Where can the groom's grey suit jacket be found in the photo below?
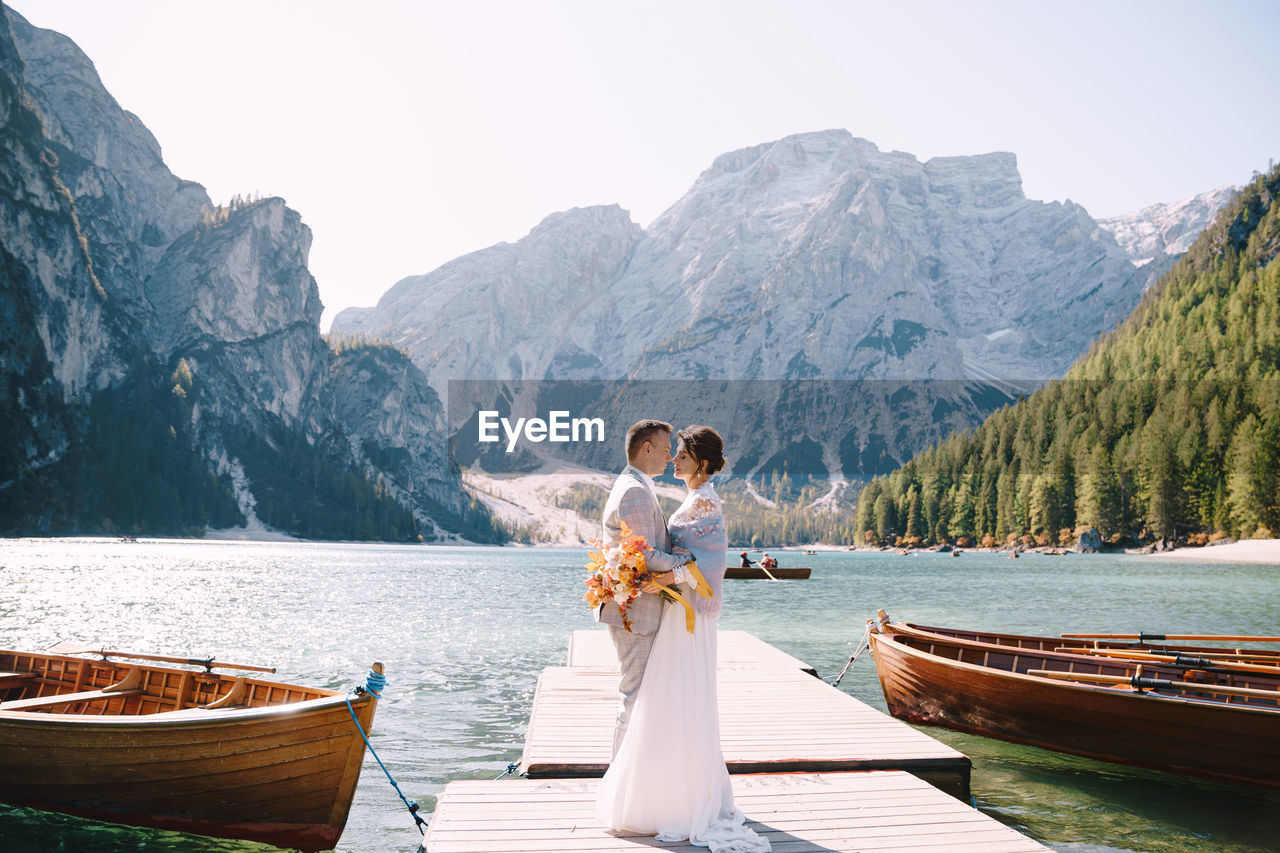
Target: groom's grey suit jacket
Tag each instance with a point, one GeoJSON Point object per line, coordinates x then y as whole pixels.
{"type": "Point", "coordinates": [631, 501]}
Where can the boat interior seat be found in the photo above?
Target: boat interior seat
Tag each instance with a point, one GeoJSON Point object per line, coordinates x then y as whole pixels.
{"type": "Point", "coordinates": [66, 699]}
{"type": "Point", "coordinates": [15, 679]}
{"type": "Point", "coordinates": [233, 698]}
{"type": "Point", "coordinates": [198, 711]}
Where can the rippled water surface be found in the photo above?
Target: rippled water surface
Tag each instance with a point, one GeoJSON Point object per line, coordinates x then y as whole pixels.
{"type": "Point", "coordinates": [465, 631]}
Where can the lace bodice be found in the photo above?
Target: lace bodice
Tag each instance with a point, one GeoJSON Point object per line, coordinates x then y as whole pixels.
{"type": "Point", "coordinates": [699, 503]}
{"type": "Point", "coordinates": [698, 527]}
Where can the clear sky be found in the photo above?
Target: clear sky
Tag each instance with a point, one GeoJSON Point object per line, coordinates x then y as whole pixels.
{"type": "Point", "coordinates": [409, 133]}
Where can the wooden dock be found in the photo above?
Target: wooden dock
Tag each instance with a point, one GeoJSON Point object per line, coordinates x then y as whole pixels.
{"type": "Point", "coordinates": [798, 813]}
{"type": "Point", "coordinates": [816, 771]}
{"type": "Point", "coordinates": [774, 718]}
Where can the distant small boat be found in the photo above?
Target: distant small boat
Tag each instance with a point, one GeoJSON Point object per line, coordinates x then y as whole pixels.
{"type": "Point", "coordinates": [760, 574]}
{"type": "Point", "coordinates": [196, 751]}
{"type": "Point", "coordinates": [1205, 722]}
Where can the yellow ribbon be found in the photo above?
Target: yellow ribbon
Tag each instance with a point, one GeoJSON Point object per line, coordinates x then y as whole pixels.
{"type": "Point", "coordinates": [700, 586]}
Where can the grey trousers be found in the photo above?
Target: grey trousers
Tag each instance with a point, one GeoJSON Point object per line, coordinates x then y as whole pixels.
{"type": "Point", "coordinates": [633, 655]}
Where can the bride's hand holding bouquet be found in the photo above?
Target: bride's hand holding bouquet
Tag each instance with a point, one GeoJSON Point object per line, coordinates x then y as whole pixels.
{"type": "Point", "coordinates": [619, 573]}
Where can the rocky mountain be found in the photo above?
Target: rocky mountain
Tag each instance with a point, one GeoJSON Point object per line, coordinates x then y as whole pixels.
{"type": "Point", "coordinates": [510, 311]}
{"type": "Point", "coordinates": [1155, 237]}
{"type": "Point", "coordinates": [816, 257]}
{"type": "Point", "coordinates": [820, 256]}
{"type": "Point", "coordinates": [163, 369]}
{"type": "Point", "coordinates": [1168, 228]}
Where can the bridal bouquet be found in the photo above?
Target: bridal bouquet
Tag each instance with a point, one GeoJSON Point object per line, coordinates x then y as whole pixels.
{"type": "Point", "coordinates": [619, 573]}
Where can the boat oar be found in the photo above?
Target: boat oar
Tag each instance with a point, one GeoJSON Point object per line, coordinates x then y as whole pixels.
{"type": "Point", "coordinates": [1178, 659]}
{"type": "Point", "coordinates": [207, 663]}
{"type": "Point", "coordinates": [1143, 637]}
{"type": "Point", "coordinates": [1140, 682]}
{"type": "Point", "coordinates": [1258, 656]}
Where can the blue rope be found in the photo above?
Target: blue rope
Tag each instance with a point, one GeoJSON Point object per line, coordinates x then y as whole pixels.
{"type": "Point", "coordinates": [373, 686]}
{"type": "Point", "coordinates": [374, 683]}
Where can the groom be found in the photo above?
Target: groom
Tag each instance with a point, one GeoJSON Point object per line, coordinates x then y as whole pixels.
{"type": "Point", "coordinates": [633, 500]}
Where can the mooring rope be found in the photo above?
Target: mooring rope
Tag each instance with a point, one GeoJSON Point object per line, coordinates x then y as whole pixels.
{"type": "Point", "coordinates": [862, 646]}
{"type": "Point", "coordinates": [373, 686]}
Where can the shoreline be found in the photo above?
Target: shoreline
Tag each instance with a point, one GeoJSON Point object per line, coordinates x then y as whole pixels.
{"type": "Point", "coordinates": [1258, 551]}
{"type": "Point", "coordinates": [1262, 551]}
{"type": "Point", "coordinates": [1265, 551]}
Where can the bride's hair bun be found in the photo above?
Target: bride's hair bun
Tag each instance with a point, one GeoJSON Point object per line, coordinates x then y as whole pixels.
{"type": "Point", "coordinates": [704, 444]}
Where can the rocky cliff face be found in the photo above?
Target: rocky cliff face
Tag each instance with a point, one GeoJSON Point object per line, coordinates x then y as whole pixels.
{"type": "Point", "coordinates": [234, 297]}
{"type": "Point", "coordinates": [396, 423]}
{"type": "Point", "coordinates": [130, 205]}
{"type": "Point", "coordinates": [60, 339]}
{"type": "Point", "coordinates": [162, 357]}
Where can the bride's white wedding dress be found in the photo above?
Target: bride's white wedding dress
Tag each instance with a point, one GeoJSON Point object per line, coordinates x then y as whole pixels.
{"type": "Point", "coordinates": [669, 776]}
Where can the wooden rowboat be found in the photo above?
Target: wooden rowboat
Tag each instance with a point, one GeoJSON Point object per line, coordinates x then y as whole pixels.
{"type": "Point", "coordinates": [1115, 648]}
{"type": "Point", "coordinates": [758, 574]}
{"type": "Point", "coordinates": [1218, 724]}
{"type": "Point", "coordinates": [196, 751]}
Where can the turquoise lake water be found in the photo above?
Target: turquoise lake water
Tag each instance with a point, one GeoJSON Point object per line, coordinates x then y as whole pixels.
{"type": "Point", "coordinates": [464, 633]}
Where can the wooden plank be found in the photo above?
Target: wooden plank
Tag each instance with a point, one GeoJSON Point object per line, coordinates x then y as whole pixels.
{"type": "Point", "coordinates": [15, 679]}
{"type": "Point", "coordinates": [592, 647]}
{"type": "Point", "coordinates": [66, 699]}
{"type": "Point", "coordinates": [798, 813]}
{"type": "Point", "coordinates": [771, 720]}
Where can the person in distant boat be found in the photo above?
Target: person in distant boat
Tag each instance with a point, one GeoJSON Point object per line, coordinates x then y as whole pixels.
{"type": "Point", "coordinates": [746, 563]}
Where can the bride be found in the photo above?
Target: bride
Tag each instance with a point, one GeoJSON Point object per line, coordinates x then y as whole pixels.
{"type": "Point", "coordinates": [669, 777]}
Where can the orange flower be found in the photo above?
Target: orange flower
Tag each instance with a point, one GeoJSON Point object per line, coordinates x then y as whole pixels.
{"type": "Point", "coordinates": [617, 573]}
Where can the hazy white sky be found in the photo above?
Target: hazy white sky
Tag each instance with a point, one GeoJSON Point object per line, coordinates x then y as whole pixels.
{"type": "Point", "coordinates": [409, 133]}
